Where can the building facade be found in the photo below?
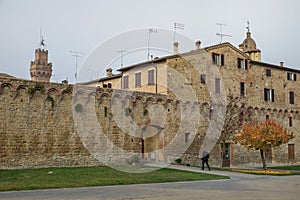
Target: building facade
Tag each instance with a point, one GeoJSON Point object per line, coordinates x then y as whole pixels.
{"type": "Point", "coordinates": [265, 91]}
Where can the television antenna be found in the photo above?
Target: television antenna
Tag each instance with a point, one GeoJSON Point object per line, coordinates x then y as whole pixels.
{"type": "Point", "coordinates": [177, 26]}
{"type": "Point", "coordinates": [77, 55]}
{"type": "Point", "coordinates": [150, 30]}
{"type": "Point", "coordinates": [221, 34]}
{"type": "Point", "coordinates": [121, 52]}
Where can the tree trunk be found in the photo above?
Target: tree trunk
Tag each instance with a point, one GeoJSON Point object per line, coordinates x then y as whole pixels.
{"type": "Point", "coordinates": [262, 155]}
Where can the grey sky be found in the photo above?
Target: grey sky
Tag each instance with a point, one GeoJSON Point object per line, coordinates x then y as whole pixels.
{"type": "Point", "coordinates": [81, 25]}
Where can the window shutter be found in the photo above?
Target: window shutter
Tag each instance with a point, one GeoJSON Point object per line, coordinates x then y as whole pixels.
{"type": "Point", "coordinates": [239, 63]}
{"type": "Point", "coordinates": [272, 93]}
{"type": "Point", "coordinates": [288, 76]}
{"type": "Point", "coordinates": [295, 77]}
{"type": "Point", "coordinates": [246, 64]}
{"type": "Point", "coordinates": [266, 94]}
{"type": "Point", "coordinates": [214, 58]}
{"type": "Point", "coordinates": [291, 97]}
{"type": "Point", "coordinates": [222, 59]}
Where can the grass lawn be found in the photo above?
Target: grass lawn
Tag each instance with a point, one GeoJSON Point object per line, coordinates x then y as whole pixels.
{"type": "Point", "coordinates": [291, 167]}
{"type": "Point", "coordinates": [29, 179]}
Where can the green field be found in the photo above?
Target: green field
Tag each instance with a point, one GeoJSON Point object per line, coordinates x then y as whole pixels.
{"type": "Point", "coordinates": [30, 179]}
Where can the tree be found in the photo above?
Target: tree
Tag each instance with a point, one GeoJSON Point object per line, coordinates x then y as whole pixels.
{"type": "Point", "coordinates": [263, 135]}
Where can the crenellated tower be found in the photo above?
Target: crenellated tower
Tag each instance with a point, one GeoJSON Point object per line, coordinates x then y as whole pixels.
{"type": "Point", "coordinates": [40, 69]}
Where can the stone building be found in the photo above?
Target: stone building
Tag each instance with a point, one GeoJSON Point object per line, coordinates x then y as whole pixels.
{"type": "Point", "coordinates": [264, 90]}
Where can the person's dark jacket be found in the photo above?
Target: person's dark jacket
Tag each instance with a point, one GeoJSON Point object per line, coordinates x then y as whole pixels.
{"type": "Point", "coordinates": [205, 158]}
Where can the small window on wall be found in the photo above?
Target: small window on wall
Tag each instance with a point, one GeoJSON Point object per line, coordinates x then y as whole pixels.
{"type": "Point", "coordinates": [267, 117]}
{"type": "Point", "coordinates": [203, 78]}
{"type": "Point", "coordinates": [242, 89]}
{"type": "Point", "coordinates": [138, 79]}
{"type": "Point", "coordinates": [291, 95]}
{"type": "Point", "coordinates": [105, 111]}
{"type": "Point", "coordinates": [218, 85]}
{"type": "Point", "coordinates": [290, 121]}
{"type": "Point", "coordinates": [109, 85]}
{"type": "Point", "coordinates": [269, 94]}
{"type": "Point", "coordinates": [218, 59]}
{"type": "Point", "coordinates": [291, 76]}
{"type": "Point", "coordinates": [125, 82]}
{"type": "Point", "coordinates": [186, 137]}
{"type": "Point", "coordinates": [268, 72]}
{"type": "Point", "coordinates": [242, 64]}
{"type": "Point", "coordinates": [151, 77]}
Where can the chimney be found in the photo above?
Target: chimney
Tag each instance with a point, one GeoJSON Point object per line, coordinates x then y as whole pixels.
{"type": "Point", "coordinates": [281, 64]}
{"type": "Point", "coordinates": [175, 45]}
{"type": "Point", "coordinates": [198, 43]}
{"type": "Point", "coordinates": [109, 72]}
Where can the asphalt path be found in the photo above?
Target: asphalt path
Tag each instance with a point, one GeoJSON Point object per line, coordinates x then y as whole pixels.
{"type": "Point", "coordinates": [239, 186]}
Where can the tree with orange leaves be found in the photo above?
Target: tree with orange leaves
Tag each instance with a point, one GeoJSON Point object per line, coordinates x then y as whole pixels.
{"type": "Point", "coordinates": [263, 135]}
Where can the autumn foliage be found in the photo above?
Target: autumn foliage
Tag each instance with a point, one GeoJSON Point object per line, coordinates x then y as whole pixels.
{"type": "Point", "coordinates": [263, 135]}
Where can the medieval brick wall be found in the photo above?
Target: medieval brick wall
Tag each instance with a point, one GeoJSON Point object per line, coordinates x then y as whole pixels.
{"type": "Point", "coordinates": [38, 124]}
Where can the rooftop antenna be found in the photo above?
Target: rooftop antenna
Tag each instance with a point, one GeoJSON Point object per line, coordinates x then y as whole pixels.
{"type": "Point", "coordinates": [150, 30]}
{"type": "Point", "coordinates": [121, 52]}
{"type": "Point", "coordinates": [177, 26]}
{"type": "Point", "coordinates": [77, 55]}
{"type": "Point", "coordinates": [221, 34]}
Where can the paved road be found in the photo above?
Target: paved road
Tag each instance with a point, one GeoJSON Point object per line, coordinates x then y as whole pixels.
{"type": "Point", "coordinates": [240, 186]}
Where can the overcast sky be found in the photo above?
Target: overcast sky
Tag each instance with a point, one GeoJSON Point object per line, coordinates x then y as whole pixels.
{"type": "Point", "coordinates": [81, 25]}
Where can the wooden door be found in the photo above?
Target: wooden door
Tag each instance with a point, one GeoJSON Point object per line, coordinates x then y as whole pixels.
{"type": "Point", "coordinates": [268, 155]}
{"type": "Point", "coordinates": [291, 153]}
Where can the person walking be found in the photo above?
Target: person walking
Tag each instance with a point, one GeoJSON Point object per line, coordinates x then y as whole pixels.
{"type": "Point", "coordinates": [205, 157]}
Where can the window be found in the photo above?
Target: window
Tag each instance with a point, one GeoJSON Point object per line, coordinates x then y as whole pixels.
{"type": "Point", "coordinates": [291, 94]}
{"type": "Point", "coordinates": [211, 112]}
{"type": "Point", "coordinates": [151, 77]}
{"type": "Point", "coordinates": [218, 59]}
{"type": "Point", "coordinates": [291, 76]}
{"type": "Point", "coordinates": [125, 82]}
{"type": "Point", "coordinates": [290, 121]}
{"type": "Point", "coordinates": [203, 78]}
{"type": "Point", "coordinates": [242, 64]}
{"type": "Point", "coordinates": [242, 89]}
{"type": "Point", "coordinates": [138, 79]}
{"type": "Point", "coordinates": [186, 137]}
{"type": "Point", "coordinates": [267, 117]}
{"type": "Point", "coordinates": [268, 72]}
{"type": "Point", "coordinates": [217, 85]}
{"type": "Point", "coordinates": [109, 85]}
{"type": "Point", "coordinates": [105, 111]}
{"type": "Point", "coordinates": [269, 94]}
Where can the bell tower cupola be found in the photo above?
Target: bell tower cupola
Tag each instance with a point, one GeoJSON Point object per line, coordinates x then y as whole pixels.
{"type": "Point", "coordinates": [249, 46]}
